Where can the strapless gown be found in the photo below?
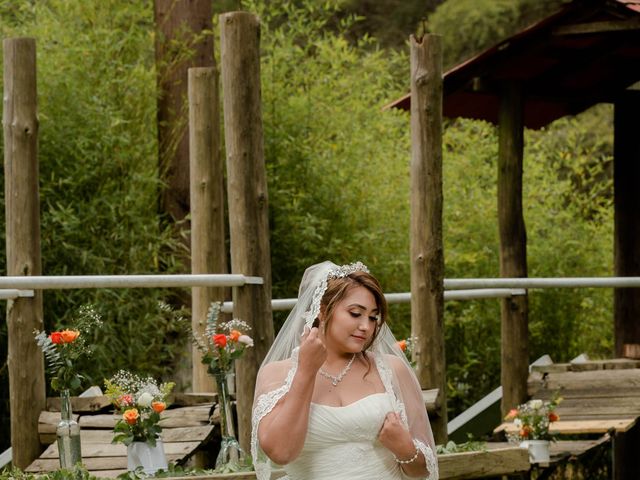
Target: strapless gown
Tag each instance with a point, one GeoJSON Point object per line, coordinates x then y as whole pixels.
{"type": "Point", "coordinates": [342, 443]}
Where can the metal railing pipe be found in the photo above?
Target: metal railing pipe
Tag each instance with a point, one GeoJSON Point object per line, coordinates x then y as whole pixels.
{"type": "Point", "coordinates": [576, 282]}
{"type": "Point", "coordinates": [283, 304]}
{"type": "Point", "coordinates": [126, 281]}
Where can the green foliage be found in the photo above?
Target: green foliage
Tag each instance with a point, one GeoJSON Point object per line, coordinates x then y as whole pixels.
{"type": "Point", "coordinates": [76, 473]}
{"type": "Point", "coordinates": [452, 447]}
{"type": "Point", "coordinates": [469, 26]}
{"type": "Point", "coordinates": [98, 172]}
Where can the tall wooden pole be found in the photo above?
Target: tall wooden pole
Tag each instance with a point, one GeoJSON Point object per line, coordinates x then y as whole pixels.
{"type": "Point", "coordinates": [208, 252]}
{"type": "Point", "coordinates": [22, 209]}
{"type": "Point", "coordinates": [626, 301]}
{"type": "Point", "coordinates": [247, 193]}
{"type": "Point", "coordinates": [626, 177]}
{"type": "Point", "coordinates": [427, 253]}
{"type": "Point", "coordinates": [513, 247]}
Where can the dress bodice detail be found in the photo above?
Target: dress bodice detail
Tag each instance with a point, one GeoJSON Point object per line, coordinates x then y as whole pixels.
{"type": "Point", "coordinates": [342, 443]}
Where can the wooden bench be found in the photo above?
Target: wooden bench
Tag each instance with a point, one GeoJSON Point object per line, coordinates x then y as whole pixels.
{"type": "Point", "coordinates": [185, 428]}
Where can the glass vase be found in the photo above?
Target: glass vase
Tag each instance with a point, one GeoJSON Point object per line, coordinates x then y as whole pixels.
{"type": "Point", "coordinates": [68, 434]}
{"type": "Point", "coordinates": [231, 457]}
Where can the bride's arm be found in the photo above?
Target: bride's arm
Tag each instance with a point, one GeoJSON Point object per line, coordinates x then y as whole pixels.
{"type": "Point", "coordinates": [282, 431]}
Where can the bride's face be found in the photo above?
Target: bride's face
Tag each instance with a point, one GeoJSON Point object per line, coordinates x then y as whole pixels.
{"type": "Point", "coordinates": [353, 322]}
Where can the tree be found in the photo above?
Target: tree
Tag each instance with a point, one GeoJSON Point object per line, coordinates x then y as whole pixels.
{"type": "Point", "coordinates": [183, 40]}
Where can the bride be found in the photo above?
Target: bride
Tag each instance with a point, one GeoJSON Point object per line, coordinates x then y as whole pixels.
{"type": "Point", "coordinates": [335, 397]}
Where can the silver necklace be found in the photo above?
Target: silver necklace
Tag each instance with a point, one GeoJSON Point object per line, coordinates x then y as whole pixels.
{"type": "Point", "coordinates": [335, 379]}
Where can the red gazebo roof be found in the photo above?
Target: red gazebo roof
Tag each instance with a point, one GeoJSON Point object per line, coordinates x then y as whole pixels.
{"type": "Point", "coordinates": [586, 53]}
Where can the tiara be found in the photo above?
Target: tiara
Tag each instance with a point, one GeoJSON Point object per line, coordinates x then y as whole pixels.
{"type": "Point", "coordinates": [346, 270]}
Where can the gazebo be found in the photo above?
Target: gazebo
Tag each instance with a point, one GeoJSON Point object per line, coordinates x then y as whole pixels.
{"type": "Point", "coordinates": [588, 52]}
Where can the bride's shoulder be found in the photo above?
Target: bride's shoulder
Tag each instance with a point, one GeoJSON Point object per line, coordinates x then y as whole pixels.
{"type": "Point", "coordinates": [276, 369]}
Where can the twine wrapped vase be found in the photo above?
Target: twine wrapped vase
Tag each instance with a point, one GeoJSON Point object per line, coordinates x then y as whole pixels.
{"type": "Point", "coordinates": [538, 450]}
{"type": "Point", "coordinates": [150, 458]}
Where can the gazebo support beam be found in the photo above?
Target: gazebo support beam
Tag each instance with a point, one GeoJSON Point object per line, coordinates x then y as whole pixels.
{"type": "Point", "coordinates": [513, 247]}
{"type": "Point", "coordinates": [626, 301]}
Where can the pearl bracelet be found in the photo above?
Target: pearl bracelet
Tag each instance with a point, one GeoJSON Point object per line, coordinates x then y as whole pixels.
{"type": "Point", "coordinates": [411, 460]}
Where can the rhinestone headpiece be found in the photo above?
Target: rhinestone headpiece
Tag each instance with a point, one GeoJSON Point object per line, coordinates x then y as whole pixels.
{"type": "Point", "coordinates": [345, 270]}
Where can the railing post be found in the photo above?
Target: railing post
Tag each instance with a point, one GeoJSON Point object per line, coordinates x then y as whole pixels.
{"type": "Point", "coordinates": [208, 253]}
{"type": "Point", "coordinates": [247, 193]}
{"type": "Point", "coordinates": [427, 252]}
{"type": "Point", "coordinates": [22, 208]}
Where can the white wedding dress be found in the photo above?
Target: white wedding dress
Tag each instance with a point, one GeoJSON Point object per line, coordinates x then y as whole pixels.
{"type": "Point", "coordinates": [342, 443]}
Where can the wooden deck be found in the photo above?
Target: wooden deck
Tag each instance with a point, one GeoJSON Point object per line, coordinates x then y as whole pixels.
{"type": "Point", "coordinates": [598, 396]}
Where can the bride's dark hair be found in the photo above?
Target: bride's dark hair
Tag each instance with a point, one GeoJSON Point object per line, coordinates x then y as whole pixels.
{"type": "Point", "coordinates": [337, 289]}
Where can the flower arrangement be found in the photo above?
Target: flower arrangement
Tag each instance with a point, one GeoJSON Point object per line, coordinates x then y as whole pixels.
{"type": "Point", "coordinates": [63, 348]}
{"type": "Point", "coordinates": [406, 345]}
{"type": "Point", "coordinates": [532, 419]}
{"type": "Point", "coordinates": [140, 401]}
{"type": "Point", "coordinates": [223, 342]}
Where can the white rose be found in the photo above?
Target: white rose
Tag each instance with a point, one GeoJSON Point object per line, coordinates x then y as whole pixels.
{"type": "Point", "coordinates": [145, 399]}
{"type": "Point", "coordinates": [246, 339]}
{"type": "Point", "coordinates": [537, 404]}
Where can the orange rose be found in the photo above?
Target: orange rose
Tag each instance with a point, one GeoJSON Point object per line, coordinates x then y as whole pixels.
{"type": "Point", "coordinates": [158, 407]}
{"type": "Point", "coordinates": [131, 416]}
{"type": "Point", "coordinates": [403, 345]}
{"type": "Point", "coordinates": [554, 417]}
{"type": "Point", "coordinates": [524, 432]}
{"type": "Point", "coordinates": [69, 336]}
{"type": "Point", "coordinates": [220, 340]}
{"type": "Point", "coordinates": [234, 335]}
{"type": "Point", "coordinates": [56, 337]}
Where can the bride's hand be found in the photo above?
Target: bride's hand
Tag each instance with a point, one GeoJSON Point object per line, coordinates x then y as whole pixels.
{"type": "Point", "coordinates": [313, 353]}
{"type": "Point", "coordinates": [395, 437]}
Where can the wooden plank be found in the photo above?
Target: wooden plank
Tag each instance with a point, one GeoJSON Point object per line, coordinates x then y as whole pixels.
{"type": "Point", "coordinates": [504, 461]}
{"type": "Point", "coordinates": [119, 450]}
{"type": "Point", "coordinates": [93, 463]}
{"type": "Point", "coordinates": [179, 434]}
{"type": "Point", "coordinates": [586, 392]}
{"type": "Point", "coordinates": [553, 367]}
{"type": "Point", "coordinates": [188, 399]}
{"type": "Point", "coordinates": [431, 399]}
{"type": "Point", "coordinates": [574, 427]}
{"type": "Point", "coordinates": [50, 419]}
{"type": "Point", "coordinates": [80, 404]}
{"type": "Point", "coordinates": [595, 379]}
{"type": "Point", "coordinates": [109, 421]}
{"type": "Point", "coordinates": [598, 27]}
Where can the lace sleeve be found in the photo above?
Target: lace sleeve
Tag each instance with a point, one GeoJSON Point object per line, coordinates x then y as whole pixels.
{"type": "Point", "coordinates": [270, 388]}
{"type": "Point", "coordinates": [403, 385]}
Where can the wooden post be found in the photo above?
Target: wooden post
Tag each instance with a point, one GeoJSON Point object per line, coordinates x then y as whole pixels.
{"type": "Point", "coordinates": [513, 247]}
{"type": "Point", "coordinates": [427, 257]}
{"type": "Point", "coordinates": [208, 251]}
{"type": "Point", "coordinates": [626, 301]}
{"type": "Point", "coordinates": [247, 193]}
{"type": "Point", "coordinates": [626, 177]}
{"type": "Point", "coordinates": [22, 209]}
